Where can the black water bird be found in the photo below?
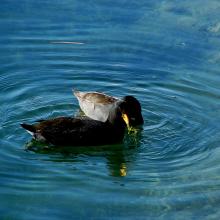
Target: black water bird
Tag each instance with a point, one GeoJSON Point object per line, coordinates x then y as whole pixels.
{"type": "Point", "coordinates": [98, 105]}
{"type": "Point", "coordinates": [68, 131]}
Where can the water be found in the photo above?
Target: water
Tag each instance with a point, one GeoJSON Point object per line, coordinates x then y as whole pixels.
{"type": "Point", "coordinates": [165, 53]}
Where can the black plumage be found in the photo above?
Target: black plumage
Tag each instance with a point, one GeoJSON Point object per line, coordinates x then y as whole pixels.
{"type": "Point", "coordinates": [84, 131]}
{"type": "Point", "coordinates": [132, 107]}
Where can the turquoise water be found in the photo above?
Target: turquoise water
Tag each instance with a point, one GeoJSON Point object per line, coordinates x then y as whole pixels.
{"type": "Point", "coordinates": [165, 53]}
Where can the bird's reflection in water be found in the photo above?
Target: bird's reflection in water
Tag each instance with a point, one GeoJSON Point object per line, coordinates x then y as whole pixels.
{"type": "Point", "coordinates": [120, 157]}
{"type": "Point", "coordinates": [119, 161]}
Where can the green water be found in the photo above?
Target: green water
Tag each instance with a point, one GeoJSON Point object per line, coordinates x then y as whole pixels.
{"type": "Point", "coordinates": [165, 53]}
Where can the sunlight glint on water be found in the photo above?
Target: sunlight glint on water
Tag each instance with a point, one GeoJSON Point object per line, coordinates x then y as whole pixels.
{"type": "Point", "coordinates": [165, 53]}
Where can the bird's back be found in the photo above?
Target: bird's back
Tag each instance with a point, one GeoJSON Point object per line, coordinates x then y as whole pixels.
{"type": "Point", "coordinates": [77, 131]}
{"type": "Point", "coordinates": [95, 105]}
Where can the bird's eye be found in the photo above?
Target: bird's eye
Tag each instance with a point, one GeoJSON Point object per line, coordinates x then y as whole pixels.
{"type": "Point", "coordinates": [132, 119]}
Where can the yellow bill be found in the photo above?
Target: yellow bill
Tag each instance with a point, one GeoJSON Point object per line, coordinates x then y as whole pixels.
{"type": "Point", "coordinates": [125, 117]}
{"type": "Point", "coordinates": [131, 130]}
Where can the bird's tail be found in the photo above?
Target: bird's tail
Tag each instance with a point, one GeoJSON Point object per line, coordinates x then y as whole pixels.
{"type": "Point", "coordinates": [30, 128]}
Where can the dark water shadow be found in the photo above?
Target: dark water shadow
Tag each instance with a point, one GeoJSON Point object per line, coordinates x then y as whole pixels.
{"type": "Point", "coordinates": [118, 156]}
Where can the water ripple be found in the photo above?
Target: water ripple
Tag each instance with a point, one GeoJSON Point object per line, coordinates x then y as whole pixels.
{"type": "Point", "coordinates": [171, 167]}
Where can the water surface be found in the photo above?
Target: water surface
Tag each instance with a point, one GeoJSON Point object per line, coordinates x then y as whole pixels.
{"type": "Point", "coordinates": [165, 53]}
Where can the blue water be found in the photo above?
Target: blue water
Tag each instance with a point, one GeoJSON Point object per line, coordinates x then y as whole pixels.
{"type": "Point", "coordinates": [165, 53]}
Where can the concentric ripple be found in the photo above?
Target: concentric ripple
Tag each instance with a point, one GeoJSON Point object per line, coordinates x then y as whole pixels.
{"type": "Point", "coordinates": [166, 54]}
